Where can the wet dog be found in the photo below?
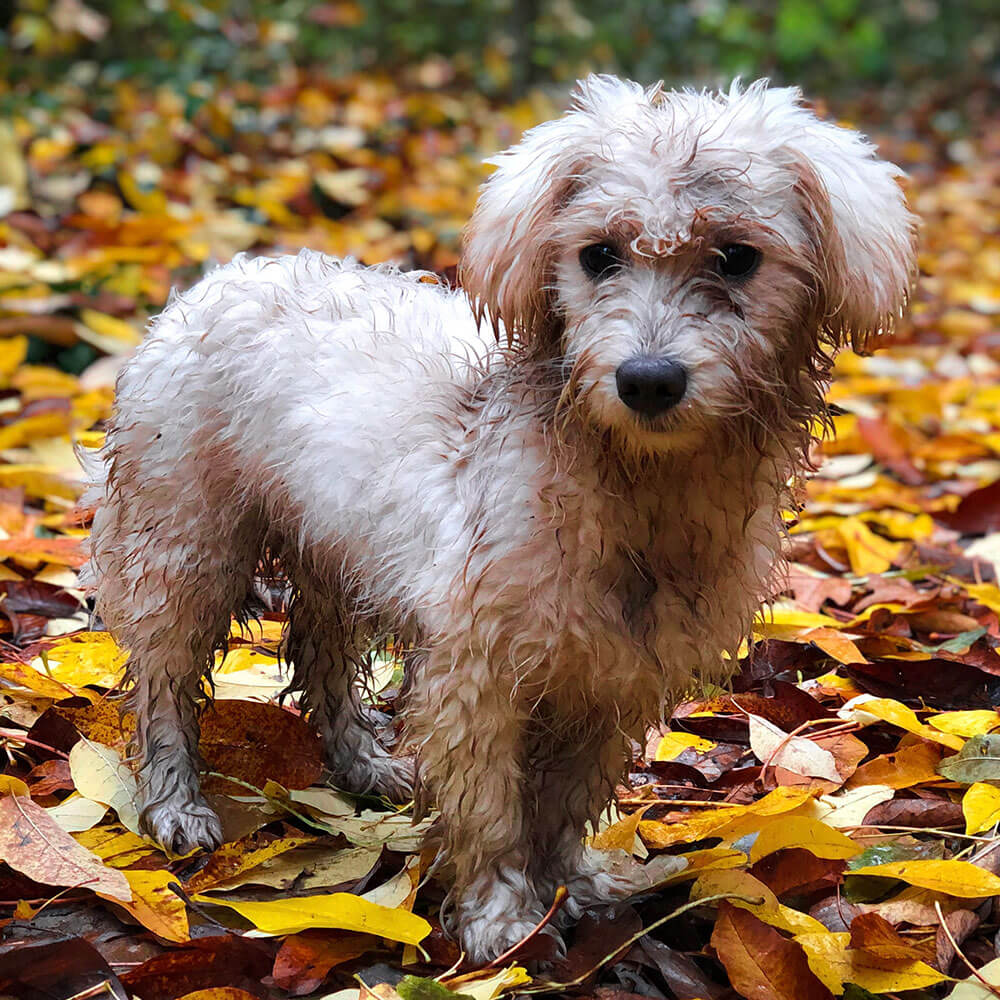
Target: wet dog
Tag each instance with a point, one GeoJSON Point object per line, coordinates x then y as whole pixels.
{"type": "Point", "coordinates": [559, 488]}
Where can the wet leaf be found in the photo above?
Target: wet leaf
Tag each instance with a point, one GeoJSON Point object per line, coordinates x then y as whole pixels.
{"type": "Point", "coordinates": [33, 843]}
{"type": "Point", "coordinates": [760, 962]}
{"type": "Point", "coordinates": [340, 909]}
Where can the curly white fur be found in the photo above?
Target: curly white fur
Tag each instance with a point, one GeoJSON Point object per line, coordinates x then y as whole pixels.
{"type": "Point", "coordinates": [558, 565]}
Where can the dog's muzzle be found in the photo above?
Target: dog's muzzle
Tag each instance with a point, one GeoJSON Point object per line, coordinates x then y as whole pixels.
{"type": "Point", "coordinates": [651, 386]}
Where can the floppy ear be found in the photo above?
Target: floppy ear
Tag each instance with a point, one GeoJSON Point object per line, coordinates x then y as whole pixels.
{"type": "Point", "coordinates": [863, 233]}
{"type": "Point", "coordinates": [510, 242]}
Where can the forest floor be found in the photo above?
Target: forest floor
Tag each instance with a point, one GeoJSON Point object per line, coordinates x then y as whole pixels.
{"type": "Point", "coordinates": [845, 795]}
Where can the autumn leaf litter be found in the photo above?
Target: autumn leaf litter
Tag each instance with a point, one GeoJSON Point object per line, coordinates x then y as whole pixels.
{"type": "Point", "coordinates": [838, 807]}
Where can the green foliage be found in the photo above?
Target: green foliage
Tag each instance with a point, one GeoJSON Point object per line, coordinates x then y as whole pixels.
{"type": "Point", "coordinates": [499, 45]}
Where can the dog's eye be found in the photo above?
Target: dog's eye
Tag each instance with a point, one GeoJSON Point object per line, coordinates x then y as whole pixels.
{"type": "Point", "coordinates": [600, 261]}
{"type": "Point", "coordinates": [738, 260]}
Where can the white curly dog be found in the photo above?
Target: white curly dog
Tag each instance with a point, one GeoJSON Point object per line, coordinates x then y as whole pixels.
{"type": "Point", "coordinates": [559, 488]}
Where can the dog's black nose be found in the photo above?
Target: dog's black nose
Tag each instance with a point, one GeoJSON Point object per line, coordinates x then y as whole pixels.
{"type": "Point", "coordinates": [650, 385]}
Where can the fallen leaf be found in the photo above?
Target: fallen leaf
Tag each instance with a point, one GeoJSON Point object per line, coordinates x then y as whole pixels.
{"type": "Point", "coordinates": [955, 878]}
{"type": "Point", "coordinates": [760, 962]}
{"type": "Point", "coordinates": [157, 907]}
{"type": "Point", "coordinates": [981, 807]}
{"type": "Point", "coordinates": [974, 987]}
{"type": "Point", "coordinates": [340, 909]}
{"type": "Point", "coordinates": [802, 831]}
{"type": "Point", "coordinates": [257, 743]}
{"type": "Point", "coordinates": [770, 910]}
{"type": "Point", "coordinates": [875, 935]}
{"type": "Point", "coordinates": [777, 748]}
{"type": "Point", "coordinates": [977, 761]}
{"type": "Point", "coordinates": [100, 774]}
{"type": "Point", "coordinates": [304, 959]}
{"type": "Point", "coordinates": [32, 843]}
{"type": "Point", "coordinates": [77, 813]}
{"type": "Point", "coordinates": [835, 963]}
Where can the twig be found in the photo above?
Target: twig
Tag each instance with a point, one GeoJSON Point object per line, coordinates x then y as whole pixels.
{"type": "Point", "coordinates": [552, 987]}
{"type": "Point", "coordinates": [961, 954]}
{"type": "Point", "coordinates": [16, 734]}
{"type": "Point", "coordinates": [562, 894]}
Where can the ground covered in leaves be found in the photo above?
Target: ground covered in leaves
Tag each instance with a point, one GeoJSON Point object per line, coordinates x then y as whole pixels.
{"type": "Point", "coordinates": [840, 806]}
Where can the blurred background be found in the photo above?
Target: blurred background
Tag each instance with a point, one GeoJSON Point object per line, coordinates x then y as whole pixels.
{"type": "Point", "coordinates": [141, 140]}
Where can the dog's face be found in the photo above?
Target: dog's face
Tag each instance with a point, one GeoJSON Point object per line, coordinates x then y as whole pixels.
{"type": "Point", "coordinates": [684, 257]}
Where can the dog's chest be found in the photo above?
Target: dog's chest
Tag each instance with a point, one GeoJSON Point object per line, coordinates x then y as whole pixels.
{"type": "Point", "coordinates": [645, 590]}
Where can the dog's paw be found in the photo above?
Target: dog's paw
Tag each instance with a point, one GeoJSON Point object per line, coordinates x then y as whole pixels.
{"type": "Point", "coordinates": [600, 878]}
{"type": "Point", "coordinates": [183, 827]}
{"type": "Point", "coordinates": [379, 772]}
{"type": "Point", "coordinates": [484, 938]}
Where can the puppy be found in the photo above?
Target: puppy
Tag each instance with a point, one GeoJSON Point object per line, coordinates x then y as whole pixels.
{"type": "Point", "coordinates": [559, 488]}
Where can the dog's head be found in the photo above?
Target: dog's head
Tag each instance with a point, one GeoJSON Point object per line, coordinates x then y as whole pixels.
{"type": "Point", "coordinates": [687, 257]}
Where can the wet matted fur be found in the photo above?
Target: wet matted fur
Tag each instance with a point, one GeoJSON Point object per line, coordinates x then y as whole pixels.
{"type": "Point", "coordinates": [457, 469]}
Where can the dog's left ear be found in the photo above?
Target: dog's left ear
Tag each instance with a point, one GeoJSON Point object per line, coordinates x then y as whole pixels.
{"type": "Point", "coordinates": [864, 235]}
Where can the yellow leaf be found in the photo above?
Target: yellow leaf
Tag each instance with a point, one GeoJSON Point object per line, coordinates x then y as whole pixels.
{"type": "Point", "coordinates": [967, 724]}
{"type": "Point", "coordinates": [981, 807]}
{"type": "Point", "coordinates": [785, 615]}
{"type": "Point", "coordinates": [673, 745]}
{"type": "Point", "coordinates": [841, 647]}
{"type": "Point", "coordinates": [954, 878]}
{"type": "Point", "coordinates": [868, 553]}
{"type": "Point", "coordinates": [77, 813]}
{"type": "Point", "coordinates": [9, 785]}
{"type": "Point", "coordinates": [88, 658]}
{"type": "Point", "coordinates": [112, 335]}
{"type": "Point", "coordinates": [849, 808]}
{"type": "Point", "coordinates": [490, 987]}
{"type": "Point", "coordinates": [13, 351]}
{"type": "Point", "coordinates": [772, 912]}
{"type": "Point", "coordinates": [100, 775]}
{"type": "Point", "coordinates": [835, 964]}
{"type": "Point", "coordinates": [800, 831]}
{"type": "Point", "coordinates": [37, 481]}
{"type": "Point", "coordinates": [707, 859]}
{"type": "Point", "coordinates": [341, 910]}
{"type": "Point", "coordinates": [157, 907]}
{"type": "Point", "coordinates": [116, 847]}
{"type": "Point", "coordinates": [620, 835]}
{"type": "Point", "coordinates": [905, 718]}
{"type": "Point", "coordinates": [728, 822]}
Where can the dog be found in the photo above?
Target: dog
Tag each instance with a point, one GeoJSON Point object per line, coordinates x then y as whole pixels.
{"type": "Point", "coordinates": [559, 488]}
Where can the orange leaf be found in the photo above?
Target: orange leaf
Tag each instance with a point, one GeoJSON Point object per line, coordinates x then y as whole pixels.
{"type": "Point", "coordinates": [761, 963]}
{"type": "Point", "coordinates": [875, 935]}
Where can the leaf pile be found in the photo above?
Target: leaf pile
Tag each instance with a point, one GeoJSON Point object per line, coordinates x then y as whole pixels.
{"type": "Point", "coordinates": [836, 811]}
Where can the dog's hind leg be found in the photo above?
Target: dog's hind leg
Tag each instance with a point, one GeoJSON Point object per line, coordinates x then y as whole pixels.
{"type": "Point", "coordinates": [328, 658]}
{"type": "Point", "coordinates": [168, 576]}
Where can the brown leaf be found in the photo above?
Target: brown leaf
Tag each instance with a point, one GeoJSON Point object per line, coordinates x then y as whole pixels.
{"type": "Point", "coordinates": [926, 813]}
{"type": "Point", "coordinates": [977, 514]}
{"type": "Point", "coordinates": [303, 960]}
{"type": "Point", "coordinates": [875, 935]}
{"type": "Point", "coordinates": [223, 960]}
{"type": "Point", "coordinates": [797, 871]}
{"type": "Point", "coordinates": [32, 843]}
{"type": "Point", "coordinates": [37, 963]}
{"type": "Point", "coordinates": [257, 743]}
{"type": "Point", "coordinates": [761, 963]}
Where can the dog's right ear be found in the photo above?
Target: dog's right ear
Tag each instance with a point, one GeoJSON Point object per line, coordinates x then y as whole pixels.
{"type": "Point", "coordinates": [510, 243]}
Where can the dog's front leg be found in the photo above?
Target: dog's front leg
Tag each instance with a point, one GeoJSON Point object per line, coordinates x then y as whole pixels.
{"type": "Point", "coordinates": [471, 741]}
{"type": "Point", "coordinates": [569, 792]}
